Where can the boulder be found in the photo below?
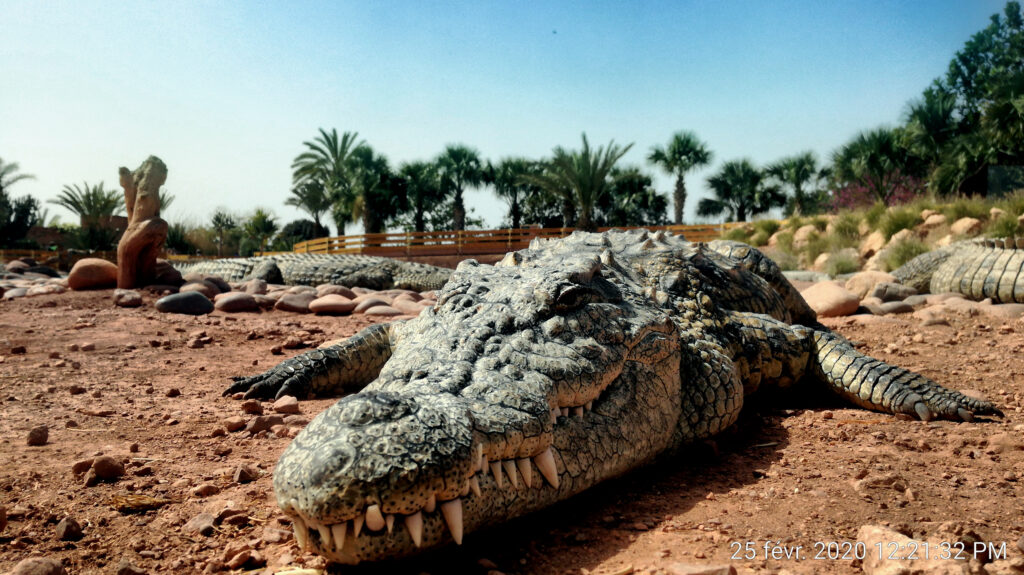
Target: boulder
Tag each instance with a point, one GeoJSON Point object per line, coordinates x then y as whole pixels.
{"type": "Point", "coordinates": [902, 236]}
{"type": "Point", "coordinates": [829, 299]}
{"type": "Point", "coordinates": [872, 244]}
{"type": "Point", "coordinates": [966, 227]}
{"type": "Point", "coordinates": [863, 283]}
{"type": "Point", "coordinates": [803, 235]}
{"type": "Point", "coordinates": [332, 304]}
{"type": "Point", "coordinates": [933, 221]}
{"type": "Point", "coordinates": [189, 303]}
{"type": "Point", "coordinates": [92, 273]}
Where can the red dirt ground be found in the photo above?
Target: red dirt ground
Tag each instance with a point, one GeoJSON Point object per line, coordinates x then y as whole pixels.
{"type": "Point", "coordinates": [793, 471]}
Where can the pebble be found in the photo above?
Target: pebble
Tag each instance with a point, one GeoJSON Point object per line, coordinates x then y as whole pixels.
{"type": "Point", "coordinates": [246, 473]}
{"type": "Point", "coordinates": [295, 302]}
{"type": "Point", "coordinates": [273, 536]}
{"type": "Point", "coordinates": [366, 302]}
{"type": "Point", "coordinates": [18, 350]}
{"type": "Point", "coordinates": [205, 490]}
{"type": "Point", "coordinates": [236, 302]}
{"type": "Point", "coordinates": [896, 307]}
{"type": "Point", "coordinates": [331, 289]}
{"type": "Point", "coordinates": [188, 303]}
{"type": "Point", "coordinates": [38, 435]}
{"type": "Point", "coordinates": [81, 466]}
{"type": "Point", "coordinates": [255, 287]}
{"type": "Point", "coordinates": [125, 567]}
{"type": "Point", "coordinates": [127, 298]}
{"type": "Point", "coordinates": [286, 404]}
{"type": "Point", "coordinates": [332, 304]}
{"type": "Point", "coordinates": [252, 406]}
{"type": "Point", "coordinates": [106, 467]}
{"type": "Point", "coordinates": [39, 566]}
{"type": "Point", "coordinates": [263, 423]}
{"type": "Point", "coordinates": [233, 423]}
{"type": "Point", "coordinates": [207, 288]}
{"type": "Point", "coordinates": [88, 346]}
{"type": "Point", "coordinates": [201, 524]}
{"type": "Point", "coordinates": [69, 530]}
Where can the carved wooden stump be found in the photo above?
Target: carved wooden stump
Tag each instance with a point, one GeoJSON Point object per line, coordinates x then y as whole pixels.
{"type": "Point", "coordinates": [146, 232]}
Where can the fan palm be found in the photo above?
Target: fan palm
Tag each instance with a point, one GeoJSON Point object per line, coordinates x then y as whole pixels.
{"type": "Point", "coordinates": [92, 204]}
{"type": "Point", "coordinates": [423, 189]}
{"type": "Point", "coordinates": [460, 167]}
{"type": "Point", "coordinates": [311, 197]}
{"type": "Point", "coordinates": [326, 160]}
{"type": "Point", "coordinates": [260, 227]}
{"type": "Point", "coordinates": [222, 222]}
{"type": "Point", "coordinates": [377, 192]}
{"type": "Point", "coordinates": [580, 177]}
{"type": "Point", "coordinates": [9, 175]}
{"type": "Point", "coordinates": [796, 172]}
{"type": "Point", "coordinates": [509, 185]}
{"type": "Point", "coordinates": [684, 152]}
{"type": "Point", "coordinates": [873, 159]}
{"type": "Point", "coordinates": [741, 190]}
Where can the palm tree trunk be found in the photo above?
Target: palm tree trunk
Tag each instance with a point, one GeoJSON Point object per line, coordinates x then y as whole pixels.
{"type": "Point", "coordinates": [458, 211]}
{"type": "Point", "coordinates": [515, 212]}
{"type": "Point", "coordinates": [741, 213]}
{"type": "Point", "coordinates": [679, 200]}
{"type": "Point", "coordinates": [417, 217]}
{"type": "Point", "coordinates": [568, 212]}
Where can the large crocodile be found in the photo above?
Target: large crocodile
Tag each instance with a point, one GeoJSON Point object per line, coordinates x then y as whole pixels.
{"type": "Point", "coordinates": [978, 269]}
{"type": "Point", "coordinates": [563, 365]}
{"type": "Point", "coordinates": [314, 269]}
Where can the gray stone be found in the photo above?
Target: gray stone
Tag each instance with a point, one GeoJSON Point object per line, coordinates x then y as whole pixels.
{"type": "Point", "coordinates": [295, 302]}
{"type": "Point", "coordinates": [188, 303]}
{"type": "Point", "coordinates": [236, 302]}
{"type": "Point", "coordinates": [127, 298]}
{"type": "Point", "coordinates": [69, 530]}
{"type": "Point", "coordinates": [107, 467]}
{"type": "Point", "coordinates": [896, 307]}
{"type": "Point", "coordinates": [201, 524]}
{"type": "Point", "coordinates": [39, 566]}
{"type": "Point", "coordinates": [38, 435]}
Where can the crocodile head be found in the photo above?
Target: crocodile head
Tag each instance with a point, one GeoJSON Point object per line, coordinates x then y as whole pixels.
{"type": "Point", "coordinates": [530, 381]}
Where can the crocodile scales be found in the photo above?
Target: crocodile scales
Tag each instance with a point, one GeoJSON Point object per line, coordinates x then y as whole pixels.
{"type": "Point", "coordinates": [314, 269]}
{"type": "Point", "coordinates": [977, 269]}
{"type": "Point", "coordinates": [563, 365]}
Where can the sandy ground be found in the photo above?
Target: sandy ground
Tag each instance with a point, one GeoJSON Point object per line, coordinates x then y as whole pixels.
{"type": "Point", "coordinates": [795, 471]}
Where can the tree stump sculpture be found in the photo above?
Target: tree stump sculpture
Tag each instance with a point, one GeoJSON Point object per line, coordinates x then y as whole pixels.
{"type": "Point", "coordinates": [146, 232]}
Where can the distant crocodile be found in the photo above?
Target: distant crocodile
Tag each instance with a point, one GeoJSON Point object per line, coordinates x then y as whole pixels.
{"type": "Point", "coordinates": [978, 269]}
{"type": "Point", "coordinates": [314, 269]}
{"type": "Point", "coordinates": [563, 365]}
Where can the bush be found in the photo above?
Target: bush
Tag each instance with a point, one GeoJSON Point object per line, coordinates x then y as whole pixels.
{"type": "Point", "coordinates": [1012, 204]}
{"type": "Point", "coordinates": [740, 234]}
{"type": "Point", "coordinates": [767, 227]}
{"type": "Point", "coordinates": [845, 231]}
{"type": "Point", "coordinates": [1005, 226]}
{"type": "Point", "coordinates": [817, 244]}
{"type": "Point", "coordinates": [966, 208]}
{"type": "Point", "coordinates": [874, 214]}
{"type": "Point", "coordinates": [902, 252]}
{"type": "Point", "coordinates": [839, 264]}
{"type": "Point", "coordinates": [785, 241]}
{"type": "Point", "coordinates": [785, 260]}
{"type": "Point", "coordinates": [896, 219]}
{"type": "Point", "coordinates": [819, 222]}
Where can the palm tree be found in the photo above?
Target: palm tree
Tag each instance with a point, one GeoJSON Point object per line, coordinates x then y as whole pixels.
{"type": "Point", "coordinates": [740, 190]}
{"type": "Point", "coordinates": [423, 189]}
{"type": "Point", "coordinates": [260, 227]}
{"type": "Point", "coordinates": [876, 160]}
{"type": "Point", "coordinates": [9, 175]}
{"type": "Point", "coordinates": [580, 177]}
{"type": "Point", "coordinates": [222, 222]}
{"type": "Point", "coordinates": [632, 200]}
{"type": "Point", "coordinates": [378, 192]}
{"type": "Point", "coordinates": [166, 199]}
{"type": "Point", "coordinates": [796, 172]}
{"type": "Point", "coordinates": [92, 204]}
{"type": "Point", "coordinates": [509, 185]}
{"type": "Point", "coordinates": [311, 197]}
{"type": "Point", "coordinates": [459, 166]}
{"type": "Point", "coordinates": [326, 161]}
{"type": "Point", "coordinates": [931, 124]}
{"type": "Point", "coordinates": [684, 152]}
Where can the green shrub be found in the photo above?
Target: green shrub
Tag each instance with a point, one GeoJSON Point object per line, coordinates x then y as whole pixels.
{"type": "Point", "coordinates": [767, 227]}
{"type": "Point", "coordinates": [1012, 204]}
{"type": "Point", "coordinates": [785, 241]}
{"type": "Point", "coordinates": [902, 252]}
{"type": "Point", "coordinates": [966, 208]}
{"type": "Point", "coordinates": [817, 244]}
{"type": "Point", "coordinates": [841, 264]}
{"type": "Point", "coordinates": [845, 231]}
{"type": "Point", "coordinates": [874, 214]}
{"type": "Point", "coordinates": [896, 219]}
{"type": "Point", "coordinates": [740, 234]}
{"type": "Point", "coordinates": [794, 223]}
{"type": "Point", "coordinates": [785, 260]}
{"type": "Point", "coordinates": [819, 222]}
{"type": "Point", "coordinates": [1004, 226]}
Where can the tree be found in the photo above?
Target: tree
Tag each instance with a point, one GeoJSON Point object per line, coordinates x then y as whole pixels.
{"type": "Point", "coordinates": [17, 216]}
{"type": "Point", "coordinates": [460, 167]}
{"type": "Point", "coordinates": [177, 239]}
{"type": "Point", "coordinates": [422, 189]}
{"type": "Point", "coordinates": [800, 173]}
{"type": "Point", "coordinates": [9, 175]}
{"type": "Point", "coordinates": [877, 161]}
{"type": "Point", "coordinates": [295, 232]}
{"type": "Point", "coordinates": [260, 227]}
{"type": "Point", "coordinates": [632, 201]}
{"type": "Point", "coordinates": [684, 152]}
{"type": "Point", "coordinates": [166, 199]}
{"type": "Point", "coordinates": [581, 178]}
{"type": "Point", "coordinates": [311, 197]}
{"type": "Point", "coordinates": [327, 161]}
{"type": "Point", "coordinates": [222, 223]}
{"type": "Point", "coordinates": [509, 185]}
{"type": "Point", "coordinates": [92, 204]}
{"type": "Point", "coordinates": [379, 194]}
{"type": "Point", "coordinates": [741, 190]}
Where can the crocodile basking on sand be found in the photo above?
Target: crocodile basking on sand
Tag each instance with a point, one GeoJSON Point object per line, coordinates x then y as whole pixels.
{"type": "Point", "coordinates": [314, 269]}
{"type": "Point", "coordinates": [977, 269]}
{"type": "Point", "coordinates": [565, 364]}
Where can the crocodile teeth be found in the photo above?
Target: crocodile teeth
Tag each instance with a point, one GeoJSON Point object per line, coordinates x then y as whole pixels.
{"type": "Point", "coordinates": [496, 472]}
{"type": "Point", "coordinates": [526, 470]}
{"type": "Point", "coordinates": [389, 519]}
{"type": "Point", "coordinates": [474, 484]}
{"type": "Point", "coordinates": [483, 468]}
{"type": "Point", "coordinates": [565, 412]}
{"type": "Point", "coordinates": [554, 415]}
{"type": "Point", "coordinates": [479, 461]}
{"type": "Point", "coordinates": [325, 535]}
{"type": "Point", "coordinates": [452, 511]}
{"type": "Point", "coordinates": [301, 534]}
{"type": "Point", "coordinates": [589, 406]}
{"type": "Point", "coordinates": [546, 465]}
{"type": "Point", "coordinates": [465, 489]}
{"type": "Point", "coordinates": [338, 531]}
{"type": "Point", "coordinates": [357, 525]}
{"type": "Point", "coordinates": [374, 518]}
{"type": "Point", "coordinates": [510, 470]}
{"type": "Point", "coordinates": [431, 504]}
{"type": "Point", "coordinates": [414, 523]}
{"type": "Point", "coordinates": [578, 411]}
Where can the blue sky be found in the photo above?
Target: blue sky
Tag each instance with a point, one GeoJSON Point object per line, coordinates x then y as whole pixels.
{"type": "Point", "coordinates": [226, 92]}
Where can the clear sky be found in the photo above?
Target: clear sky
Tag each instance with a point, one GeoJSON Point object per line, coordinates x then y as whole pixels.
{"type": "Point", "coordinates": [226, 92]}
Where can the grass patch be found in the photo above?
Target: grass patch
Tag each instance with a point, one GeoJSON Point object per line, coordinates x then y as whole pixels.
{"type": "Point", "coordinates": [817, 244]}
{"type": "Point", "coordinates": [902, 252]}
{"type": "Point", "coordinates": [1012, 204]}
{"type": "Point", "coordinates": [1004, 226]}
{"type": "Point", "coordinates": [896, 219]}
{"type": "Point", "coordinates": [840, 263]}
{"type": "Point", "coordinates": [785, 260]}
{"type": "Point", "coordinates": [966, 208]}
{"type": "Point", "coordinates": [740, 234]}
{"type": "Point", "coordinates": [845, 231]}
{"type": "Point", "coordinates": [874, 214]}
{"type": "Point", "coordinates": [785, 241]}
{"type": "Point", "coordinates": [819, 222]}
{"type": "Point", "coordinates": [763, 230]}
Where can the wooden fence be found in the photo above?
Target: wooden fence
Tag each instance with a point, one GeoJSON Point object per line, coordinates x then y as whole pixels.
{"type": "Point", "coordinates": [470, 242]}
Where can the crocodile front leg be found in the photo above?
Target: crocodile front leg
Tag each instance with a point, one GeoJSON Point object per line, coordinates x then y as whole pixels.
{"type": "Point", "coordinates": [345, 367]}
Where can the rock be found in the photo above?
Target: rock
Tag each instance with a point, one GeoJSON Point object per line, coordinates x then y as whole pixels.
{"type": "Point", "coordinates": [233, 423]}
{"type": "Point", "coordinates": [793, 276]}
{"type": "Point", "coordinates": [1003, 442]}
{"type": "Point", "coordinates": [236, 302]}
{"type": "Point", "coordinates": [916, 300]}
{"type": "Point", "coordinates": [699, 569]}
{"type": "Point", "coordinates": [205, 490]}
{"type": "Point", "coordinates": [38, 435]}
{"type": "Point", "coordinates": [407, 305]}
{"type": "Point", "coordinates": [382, 310]}
{"type": "Point", "coordinates": [3, 518]}
{"type": "Point", "coordinates": [45, 290]}
{"type": "Point", "coordinates": [17, 266]}
{"type": "Point", "coordinates": [92, 273]}
{"type": "Point", "coordinates": [201, 524]}
{"type": "Point", "coordinates": [862, 283]}
{"type": "Point", "coordinates": [901, 236]}
{"type": "Point", "coordinates": [944, 241]}
{"type": "Point", "coordinates": [146, 232]}
{"type": "Point", "coordinates": [295, 302]}
{"type": "Point", "coordinates": [331, 289]}
{"type": "Point", "coordinates": [966, 227]}
{"type": "Point", "coordinates": [1005, 311]}
{"type": "Point", "coordinates": [934, 220]}
{"type": "Point", "coordinates": [263, 423]}
{"type": "Point", "coordinates": [803, 235]}
{"type": "Point", "coordinates": [367, 302]}
{"type": "Point", "coordinates": [268, 271]}
{"type": "Point", "coordinates": [69, 530]}
{"type": "Point", "coordinates": [15, 293]}
{"type": "Point", "coordinates": [188, 303]}
{"type": "Point", "coordinates": [39, 566]}
{"type": "Point", "coordinates": [872, 244]}
{"type": "Point", "coordinates": [255, 286]}
{"type": "Point", "coordinates": [876, 537]}
{"type": "Point", "coordinates": [252, 407]}
{"type": "Point", "coordinates": [125, 567]}
{"type": "Point", "coordinates": [286, 404]}
{"type": "Point", "coordinates": [828, 299]}
{"type": "Point", "coordinates": [127, 298]}
{"type": "Point", "coordinates": [246, 473]}
{"type": "Point", "coordinates": [273, 536]}
{"type": "Point", "coordinates": [896, 307]}
{"type": "Point", "coordinates": [332, 304]}
{"type": "Point", "coordinates": [926, 213]}
{"type": "Point", "coordinates": [891, 292]}
{"type": "Point", "coordinates": [107, 467]}
{"type": "Point", "coordinates": [302, 289]}
{"type": "Point", "coordinates": [166, 275]}
{"type": "Point", "coordinates": [996, 213]}
{"type": "Point", "coordinates": [204, 287]}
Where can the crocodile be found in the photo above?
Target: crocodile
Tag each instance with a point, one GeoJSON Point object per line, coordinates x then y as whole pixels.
{"type": "Point", "coordinates": [563, 365]}
{"type": "Point", "coordinates": [314, 269]}
{"type": "Point", "coordinates": [977, 269]}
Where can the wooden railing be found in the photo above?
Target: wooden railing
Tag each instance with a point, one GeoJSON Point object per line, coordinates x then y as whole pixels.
{"type": "Point", "coordinates": [470, 242]}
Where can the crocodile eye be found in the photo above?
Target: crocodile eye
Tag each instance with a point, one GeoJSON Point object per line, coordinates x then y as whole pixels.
{"type": "Point", "coordinates": [574, 297]}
